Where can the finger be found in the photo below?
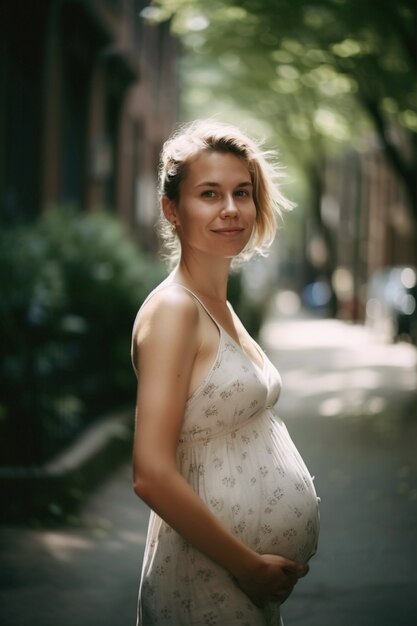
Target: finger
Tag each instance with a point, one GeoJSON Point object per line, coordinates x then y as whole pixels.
{"type": "Point", "coordinates": [298, 569]}
{"type": "Point", "coordinates": [290, 563]}
{"type": "Point", "coordinates": [294, 566]}
{"type": "Point", "coordinates": [304, 572]}
{"type": "Point", "coordinates": [291, 579]}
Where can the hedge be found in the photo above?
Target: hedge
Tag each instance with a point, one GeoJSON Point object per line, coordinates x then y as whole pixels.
{"type": "Point", "coordinates": [70, 285]}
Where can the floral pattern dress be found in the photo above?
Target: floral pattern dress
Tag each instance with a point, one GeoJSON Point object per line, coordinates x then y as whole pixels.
{"type": "Point", "coordinates": [237, 455]}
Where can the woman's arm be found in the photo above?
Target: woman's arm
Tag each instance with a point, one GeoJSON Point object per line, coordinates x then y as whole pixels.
{"type": "Point", "coordinates": [166, 344]}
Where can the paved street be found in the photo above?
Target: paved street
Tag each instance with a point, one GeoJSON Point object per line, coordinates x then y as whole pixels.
{"type": "Point", "coordinates": [350, 404]}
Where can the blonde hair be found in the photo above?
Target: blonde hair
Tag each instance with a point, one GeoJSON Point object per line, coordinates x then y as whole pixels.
{"type": "Point", "coordinates": [193, 138]}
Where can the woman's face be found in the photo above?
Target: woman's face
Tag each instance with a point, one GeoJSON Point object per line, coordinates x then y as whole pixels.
{"type": "Point", "coordinates": [216, 211]}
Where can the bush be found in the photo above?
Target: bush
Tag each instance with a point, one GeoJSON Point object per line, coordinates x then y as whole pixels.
{"type": "Point", "coordinates": [70, 288]}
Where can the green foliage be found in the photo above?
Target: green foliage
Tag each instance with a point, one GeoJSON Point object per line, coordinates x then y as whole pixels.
{"type": "Point", "coordinates": [317, 73]}
{"type": "Point", "coordinates": [70, 287]}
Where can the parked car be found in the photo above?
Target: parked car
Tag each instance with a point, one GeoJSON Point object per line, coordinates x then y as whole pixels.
{"type": "Point", "coordinates": [391, 307]}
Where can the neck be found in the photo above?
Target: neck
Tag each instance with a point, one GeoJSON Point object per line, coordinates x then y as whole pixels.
{"type": "Point", "coordinates": [209, 278]}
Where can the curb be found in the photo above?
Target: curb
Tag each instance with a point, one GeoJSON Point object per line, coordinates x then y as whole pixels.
{"type": "Point", "coordinates": [59, 487]}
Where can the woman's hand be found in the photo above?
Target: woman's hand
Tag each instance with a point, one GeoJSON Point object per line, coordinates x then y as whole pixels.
{"type": "Point", "coordinates": [272, 580]}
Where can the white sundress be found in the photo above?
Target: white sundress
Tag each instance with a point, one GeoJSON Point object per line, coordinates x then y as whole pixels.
{"type": "Point", "coordinates": [237, 455]}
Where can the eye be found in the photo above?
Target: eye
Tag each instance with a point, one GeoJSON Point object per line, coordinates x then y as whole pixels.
{"type": "Point", "coordinates": [208, 193]}
{"type": "Point", "coordinates": [242, 193]}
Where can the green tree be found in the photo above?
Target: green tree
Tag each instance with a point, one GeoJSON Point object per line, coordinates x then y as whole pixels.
{"type": "Point", "coordinates": [318, 72]}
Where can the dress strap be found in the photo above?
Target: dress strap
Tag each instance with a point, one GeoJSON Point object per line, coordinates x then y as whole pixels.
{"type": "Point", "coordinates": [164, 285]}
{"type": "Point", "coordinates": [200, 302]}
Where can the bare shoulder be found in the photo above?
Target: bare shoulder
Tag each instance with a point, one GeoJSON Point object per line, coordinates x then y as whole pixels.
{"type": "Point", "coordinates": [171, 310]}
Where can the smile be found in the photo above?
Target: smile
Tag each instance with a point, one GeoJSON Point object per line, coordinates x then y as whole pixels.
{"type": "Point", "coordinates": [228, 232]}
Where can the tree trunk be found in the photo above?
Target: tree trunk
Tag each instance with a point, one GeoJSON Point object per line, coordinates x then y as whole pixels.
{"type": "Point", "coordinates": [316, 180]}
{"type": "Point", "coordinates": [405, 170]}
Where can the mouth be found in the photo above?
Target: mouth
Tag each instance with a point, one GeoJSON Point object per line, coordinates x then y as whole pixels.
{"type": "Point", "coordinates": [228, 232]}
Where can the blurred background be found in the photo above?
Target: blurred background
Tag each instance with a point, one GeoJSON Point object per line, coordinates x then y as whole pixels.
{"type": "Point", "coordinates": [90, 89]}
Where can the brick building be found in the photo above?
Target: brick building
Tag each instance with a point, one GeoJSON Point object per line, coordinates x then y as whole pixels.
{"type": "Point", "coordinates": [88, 93]}
{"type": "Point", "coordinates": [366, 209]}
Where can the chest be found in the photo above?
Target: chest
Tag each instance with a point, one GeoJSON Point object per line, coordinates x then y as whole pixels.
{"type": "Point", "coordinates": [233, 390]}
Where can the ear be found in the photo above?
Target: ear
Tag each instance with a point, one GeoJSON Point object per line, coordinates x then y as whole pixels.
{"type": "Point", "coordinates": [169, 209]}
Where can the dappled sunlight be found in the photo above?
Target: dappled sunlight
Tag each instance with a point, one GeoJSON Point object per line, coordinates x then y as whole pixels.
{"type": "Point", "coordinates": [288, 302]}
{"type": "Point", "coordinates": [335, 369]}
{"type": "Point", "coordinates": [313, 334]}
{"type": "Point", "coordinates": [67, 547]}
{"type": "Point", "coordinates": [137, 538]}
{"type": "Point", "coordinates": [331, 407]}
{"type": "Point", "coordinates": [112, 522]}
{"type": "Point", "coordinates": [64, 547]}
{"type": "Point", "coordinates": [340, 406]}
{"type": "Point", "coordinates": [403, 356]}
{"type": "Point", "coordinates": [309, 383]}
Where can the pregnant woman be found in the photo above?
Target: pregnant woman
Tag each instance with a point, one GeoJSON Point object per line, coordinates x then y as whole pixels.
{"type": "Point", "coordinates": [234, 512]}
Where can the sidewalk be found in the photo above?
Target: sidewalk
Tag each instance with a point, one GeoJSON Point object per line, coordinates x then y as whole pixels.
{"type": "Point", "coordinates": [349, 404]}
{"type": "Point", "coordinates": [337, 369]}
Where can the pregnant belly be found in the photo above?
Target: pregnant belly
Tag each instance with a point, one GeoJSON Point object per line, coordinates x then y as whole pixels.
{"type": "Point", "coordinates": [289, 519]}
{"type": "Point", "coordinates": [278, 516]}
{"type": "Point", "coordinates": [257, 484]}
{"type": "Point", "coordinates": [289, 522]}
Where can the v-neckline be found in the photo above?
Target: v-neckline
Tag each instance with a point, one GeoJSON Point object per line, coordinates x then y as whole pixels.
{"type": "Point", "coordinates": [258, 367]}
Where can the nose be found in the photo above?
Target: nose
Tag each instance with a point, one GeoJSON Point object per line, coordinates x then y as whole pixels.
{"type": "Point", "coordinates": [229, 208]}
